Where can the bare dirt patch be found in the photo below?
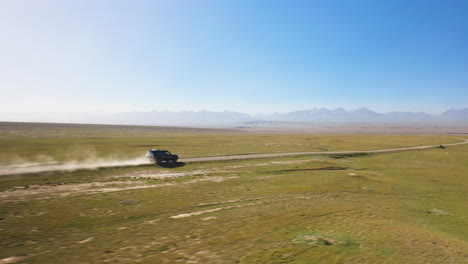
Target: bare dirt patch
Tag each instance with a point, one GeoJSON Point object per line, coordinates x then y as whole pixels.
{"type": "Point", "coordinates": [162, 175]}
{"type": "Point", "coordinates": [211, 210]}
{"type": "Point", "coordinates": [47, 192]}
{"type": "Point", "coordinates": [321, 240]}
{"type": "Point", "coordinates": [12, 259]}
{"type": "Point", "coordinates": [438, 212]}
{"type": "Point", "coordinates": [89, 239]}
{"type": "Point", "coordinates": [184, 215]}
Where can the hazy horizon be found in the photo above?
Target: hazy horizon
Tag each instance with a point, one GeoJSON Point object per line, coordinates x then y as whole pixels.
{"type": "Point", "coordinates": [217, 118]}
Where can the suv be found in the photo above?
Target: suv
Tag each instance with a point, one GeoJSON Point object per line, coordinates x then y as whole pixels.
{"type": "Point", "coordinates": [159, 156]}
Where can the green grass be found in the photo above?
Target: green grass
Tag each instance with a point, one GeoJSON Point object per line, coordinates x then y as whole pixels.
{"type": "Point", "coordinates": [374, 209]}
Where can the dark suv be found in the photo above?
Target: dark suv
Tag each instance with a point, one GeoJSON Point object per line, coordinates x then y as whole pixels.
{"type": "Point", "coordinates": [159, 156]}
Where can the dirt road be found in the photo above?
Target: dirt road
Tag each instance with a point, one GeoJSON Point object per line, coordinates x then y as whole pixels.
{"type": "Point", "coordinates": [70, 166]}
{"type": "Point", "coordinates": [273, 155]}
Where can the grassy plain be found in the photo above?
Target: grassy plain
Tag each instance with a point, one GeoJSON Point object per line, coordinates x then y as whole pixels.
{"type": "Point", "coordinates": [22, 143]}
{"type": "Point", "coordinates": [407, 207]}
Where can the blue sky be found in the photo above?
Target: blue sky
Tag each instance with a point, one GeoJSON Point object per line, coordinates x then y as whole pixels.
{"type": "Point", "coordinates": [243, 55]}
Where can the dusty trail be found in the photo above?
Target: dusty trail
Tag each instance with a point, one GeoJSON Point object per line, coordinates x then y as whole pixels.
{"type": "Point", "coordinates": [32, 168]}
{"type": "Point", "coordinates": [38, 192]}
{"type": "Point", "coordinates": [69, 166]}
{"type": "Point", "coordinates": [273, 155]}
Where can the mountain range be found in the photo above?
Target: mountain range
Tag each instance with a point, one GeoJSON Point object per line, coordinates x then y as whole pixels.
{"type": "Point", "coordinates": [323, 115]}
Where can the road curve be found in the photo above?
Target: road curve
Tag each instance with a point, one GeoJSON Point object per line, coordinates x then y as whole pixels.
{"type": "Point", "coordinates": [275, 155]}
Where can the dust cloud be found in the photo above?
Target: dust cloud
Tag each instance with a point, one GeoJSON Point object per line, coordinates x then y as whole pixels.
{"type": "Point", "coordinates": [79, 158]}
{"type": "Point", "coordinates": [69, 165]}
